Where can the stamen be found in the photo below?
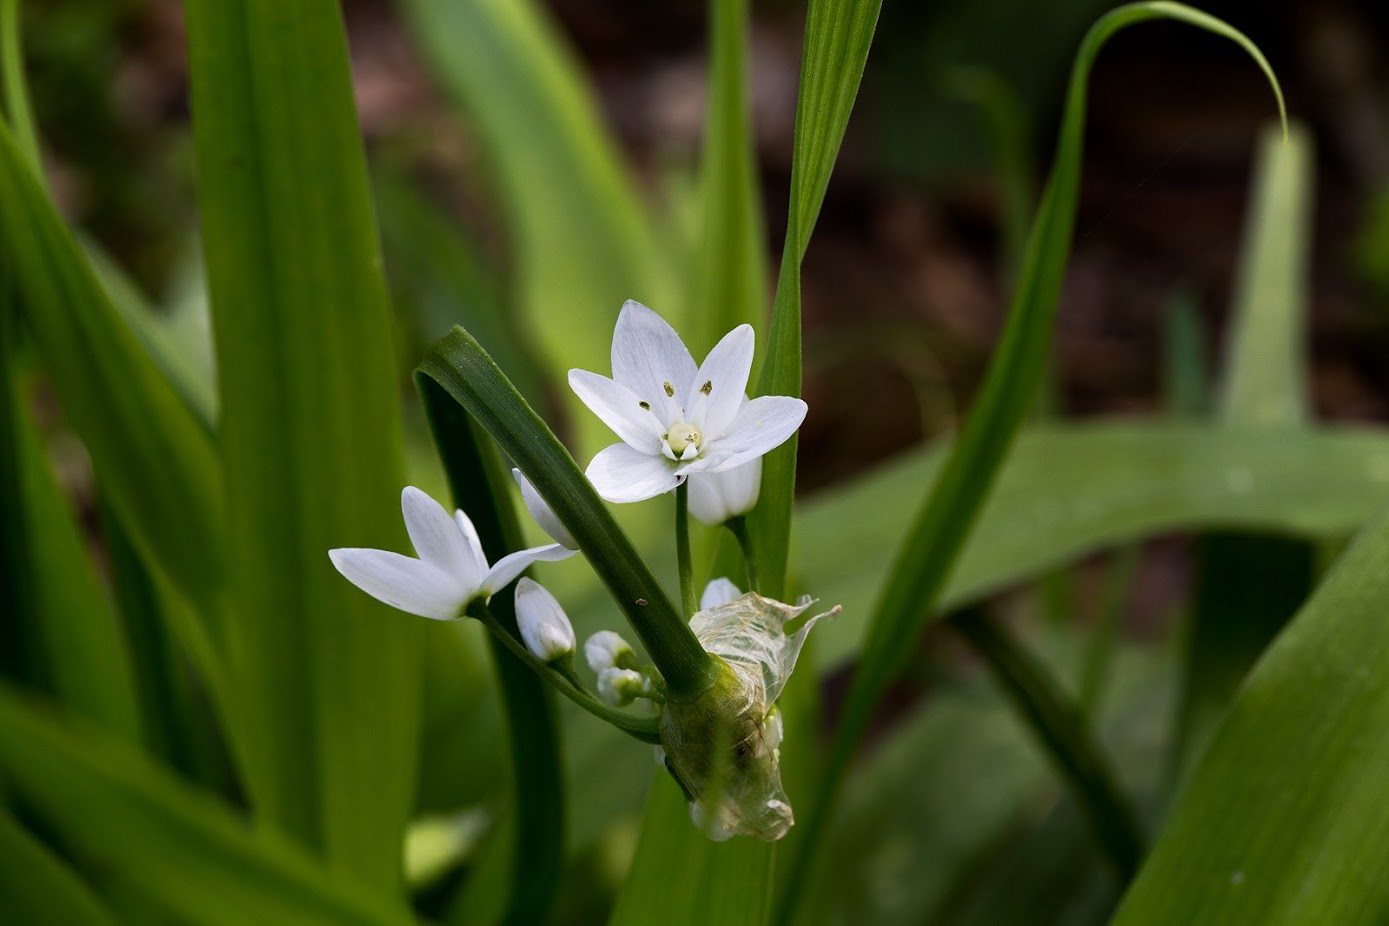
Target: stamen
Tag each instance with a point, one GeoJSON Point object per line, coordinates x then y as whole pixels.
{"type": "Point", "coordinates": [708, 387]}
{"type": "Point", "coordinates": [670, 390]}
{"type": "Point", "coordinates": [646, 406]}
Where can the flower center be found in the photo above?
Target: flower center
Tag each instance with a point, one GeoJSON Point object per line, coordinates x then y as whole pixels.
{"type": "Point", "coordinates": [683, 435]}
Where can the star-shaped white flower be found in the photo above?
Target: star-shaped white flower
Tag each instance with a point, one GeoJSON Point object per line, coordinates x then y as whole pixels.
{"type": "Point", "coordinates": [451, 570]}
{"type": "Point", "coordinates": [676, 419]}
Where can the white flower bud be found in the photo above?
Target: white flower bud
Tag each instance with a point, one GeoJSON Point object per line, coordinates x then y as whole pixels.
{"type": "Point", "coordinates": [607, 650]}
{"type": "Point", "coordinates": [619, 686]}
{"type": "Point", "coordinates": [718, 591]}
{"type": "Point", "coordinates": [544, 626]}
{"type": "Point", "coordinates": [542, 513]}
{"type": "Point", "coordinates": [716, 497]}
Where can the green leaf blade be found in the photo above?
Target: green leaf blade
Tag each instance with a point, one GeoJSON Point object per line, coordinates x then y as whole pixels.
{"type": "Point", "coordinates": [310, 430]}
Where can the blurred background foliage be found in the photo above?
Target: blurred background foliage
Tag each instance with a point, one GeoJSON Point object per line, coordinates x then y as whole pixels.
{"type": "Point", "coordinates": [904, 290]}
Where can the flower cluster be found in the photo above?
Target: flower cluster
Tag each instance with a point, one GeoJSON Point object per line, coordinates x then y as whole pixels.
{"type": "Point", "coordinates": [681, 425]}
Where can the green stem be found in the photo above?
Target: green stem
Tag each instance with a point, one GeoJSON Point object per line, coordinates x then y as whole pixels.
{"type": "Point", "coordinates": [1057, 721]}
{"type": "Point", "coordinates": [1101, 652]}
{"type": "Point", "coordinates": [682, 549]}
{"type": "Point", "coordinates": [739, 527]}
{"type": "Point", "coordinates": [642, 728]}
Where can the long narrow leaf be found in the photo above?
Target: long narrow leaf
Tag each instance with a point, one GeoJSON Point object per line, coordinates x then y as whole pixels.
{"type": "Point", "coordinates": [1284, 819]}
{"type": "Point", "coordinates": [464, 370]}
{"type": "Point", "coordinates": [476, 480]}
{"type": "Point", "coordinates": [36, 887]}
{"type": "Point", "coordinates": [185, 852]}
{"type": "Point", "coordinates": [310, 429]}
{"type": "Point", "coordinates": [934, 542]}
{"type": "Point", "coordinates": [837, 36]}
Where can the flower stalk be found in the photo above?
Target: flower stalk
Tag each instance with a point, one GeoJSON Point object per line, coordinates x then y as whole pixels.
{"type": "Point", "coordinates": [682, 549]}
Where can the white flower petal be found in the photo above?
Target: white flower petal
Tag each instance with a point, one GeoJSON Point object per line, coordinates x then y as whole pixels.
{"type": "Point", "coordinates": [434, 534]}
{"type": "Point", "coordinates": [760, 425]}
{"type": "Point", "coordinates": [471, 575]}
{"type": "Point", "coordinates": [622, 474]}
{"type": "Point", "coordinates": [513, 564]}
{"type": "Point", "coordinates": [716, 496]}
{"type": "Point", "coordinates": [403, 582]}
{"type": "Point", "coordinates": [543, 514]}
{"type": "Point", "coordinates": [620, 409]}
{"type": "Point", "coordinates": [542, 622]}
{"type": "Point", "coordinates": [717, 390]}
{"type": "Point", "coordinates": [647, 354]}
{"type": "Point", "coordinates": [718, 591]}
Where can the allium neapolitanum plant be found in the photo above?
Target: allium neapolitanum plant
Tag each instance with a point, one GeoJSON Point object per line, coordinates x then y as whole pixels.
{"type": "Point", "coordinates": [217, 728]}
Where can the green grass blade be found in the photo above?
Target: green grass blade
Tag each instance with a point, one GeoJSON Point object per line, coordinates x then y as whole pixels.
{"type": "Point", "coordinates": [1284, 819]}
{"type": "Point", "coordinates": [1070, 490]}
{"type": "Point", "coordinates": [130, 818]}
{"type": "Point", "coordinates": [310, 430]}
{"type": "Point", "coordinates": [837, 36]}
{"type": "Point", "coordinates": [1248, 587]}
{"type": "Point", "coordinates": [465, 371]}
{"type": "Point", "coordinates": [934, 541]}
{"type": "Point", "coordinates": [582, 242]}
{"type": "Point", "coordinates": [729, 274]}
{"type": "Point", "coordinates": [1264, 381]}
{"type": "Point", "coordinates": [479, 485]}
{"type": "Point", "coordinates": [76, 647]}
{"type": "Point", "coordinates": [37, 887]}
{"type": "Point", "coordinates": [16, 91]}
{"type": "Point", "coordinates": [157, 461]}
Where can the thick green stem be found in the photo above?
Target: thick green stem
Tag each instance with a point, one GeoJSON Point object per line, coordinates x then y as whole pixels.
{"type": "Point", "coordinates": [643, 728]}
{"type": "Point", "coordinates": [1058, 723]}
{"type": "Point", "coordinates": [682, 550]}
{"type": "Point", "coordinates": [739, 527]}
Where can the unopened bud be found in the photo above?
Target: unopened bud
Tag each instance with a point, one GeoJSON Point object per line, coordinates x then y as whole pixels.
{"type": "Point", "coordinates": [544, 626]}
{"type": "Point", "coordinates": [607, 650]}
{"type": "Point", "coordinates": [619, 687]}
{"type": "Point", "coordinates": [716, 497]}
{"type": "Point", "coordinates": [543, 514]}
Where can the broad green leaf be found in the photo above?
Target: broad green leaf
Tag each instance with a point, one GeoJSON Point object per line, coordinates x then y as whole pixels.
{"type": "Point", "coordinates": [189, 854]}
{"type": "Point", "coordinates": [837, 36]}
{"type": "Point", "coordinates": [728, 278]}
{"type": "Point", "coordinates": [1068, 490]}
{"type": "Point", "coordinates": [582, 244]}
{"type": "Point", "coordinates": [1284, 818]}
{"type": "Point", "coordinates": [479, 485]}
{"type": "Point", "coordinates": [310, 429]}
{"type": "Point", "coordinates": [36, 886]}
{"type": "Point", "coordinates": [156, 460]}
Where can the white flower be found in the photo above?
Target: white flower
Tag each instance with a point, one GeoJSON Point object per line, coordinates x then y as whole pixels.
{"type": "Point", "coordinates": [542, 513]}
{"type": "Point", "coordinates": [618, 687]}
{"type": "Point", "coordinates": [718, 591]}
{"type": "Point", "coordinates": [717, 496]}
{"type": "Point", "coordinates": [607, 650]}
{"type": "Point", "coordinates": [675, 419]}
{"type": "Point", "coordinates": [543, 624]}
{"type": "Point", "coordinates": [451, 570]}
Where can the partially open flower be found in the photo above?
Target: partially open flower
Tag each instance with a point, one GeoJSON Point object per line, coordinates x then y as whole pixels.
{"type": "Point", "coordinates": [722, 747]}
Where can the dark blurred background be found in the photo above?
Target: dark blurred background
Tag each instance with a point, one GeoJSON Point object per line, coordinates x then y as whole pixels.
{"type": "Point", "coordinates": [906, 280]}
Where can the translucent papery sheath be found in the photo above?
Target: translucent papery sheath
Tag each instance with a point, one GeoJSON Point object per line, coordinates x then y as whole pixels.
{"type": "Point", "coordinates": [722, 747]}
